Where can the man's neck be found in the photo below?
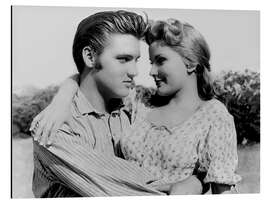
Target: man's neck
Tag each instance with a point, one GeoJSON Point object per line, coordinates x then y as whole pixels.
{"type": "Point", "coordinates": [92, 94]}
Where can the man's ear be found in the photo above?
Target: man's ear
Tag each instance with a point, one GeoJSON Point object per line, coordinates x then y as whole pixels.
{"type": "Point", "coordinates": [88, 57]}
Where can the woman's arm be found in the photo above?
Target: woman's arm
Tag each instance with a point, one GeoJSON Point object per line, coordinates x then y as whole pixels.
{"type": "Point", "coordinates": [220, 153]}
{"type": "Point", "coordinates": [54, 115]}
{"type": "Point", "coordinates": [189, 186]}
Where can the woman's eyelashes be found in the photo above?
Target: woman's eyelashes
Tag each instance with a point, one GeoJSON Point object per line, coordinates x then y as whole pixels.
{"type": "Point", "coordinates": [159, 61]}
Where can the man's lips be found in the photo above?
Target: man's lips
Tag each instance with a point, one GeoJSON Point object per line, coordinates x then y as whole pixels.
{"type": "Point", "coordinates": [127, 81]}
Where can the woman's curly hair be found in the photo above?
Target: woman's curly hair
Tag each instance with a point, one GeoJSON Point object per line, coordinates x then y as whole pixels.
{"type": "Point", "coordinates": [191, 46]}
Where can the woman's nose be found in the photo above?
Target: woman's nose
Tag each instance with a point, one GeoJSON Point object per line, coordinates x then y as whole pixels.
{"type": "Point", "coordinates": [153, 71]}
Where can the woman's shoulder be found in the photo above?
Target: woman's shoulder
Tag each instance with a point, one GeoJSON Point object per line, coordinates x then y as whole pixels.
{"type": "Point", "coordinates": [216, 109]}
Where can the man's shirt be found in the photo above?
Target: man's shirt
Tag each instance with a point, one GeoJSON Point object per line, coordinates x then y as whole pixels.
{"type": "Point", "coordinates": [81, 160]}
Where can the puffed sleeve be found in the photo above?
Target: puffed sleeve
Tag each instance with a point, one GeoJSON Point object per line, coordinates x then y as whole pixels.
{"type": "Point", "coordinates": [221, 150]}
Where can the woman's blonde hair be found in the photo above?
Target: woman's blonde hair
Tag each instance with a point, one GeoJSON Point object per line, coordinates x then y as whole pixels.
{"type": "Point", "coordinates": [192, 47]}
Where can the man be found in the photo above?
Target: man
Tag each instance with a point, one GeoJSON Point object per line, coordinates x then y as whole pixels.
{"type": "Point", "coordinates": [81, 161]}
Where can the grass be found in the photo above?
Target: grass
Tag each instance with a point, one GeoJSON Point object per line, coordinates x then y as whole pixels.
{"type": "Point", "coordinates": [249, 168]}
{"type": "Point", "coordinates": [22, 168]}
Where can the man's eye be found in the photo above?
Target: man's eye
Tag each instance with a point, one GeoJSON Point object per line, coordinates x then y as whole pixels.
{"type": "Point", "coordinates": [123, 60]}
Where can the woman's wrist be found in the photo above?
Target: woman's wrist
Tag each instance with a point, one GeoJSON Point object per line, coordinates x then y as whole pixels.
{"type": "Point", "coordinates": [198, 185]}
{"type": "Point", "coordinates": [189, 186]}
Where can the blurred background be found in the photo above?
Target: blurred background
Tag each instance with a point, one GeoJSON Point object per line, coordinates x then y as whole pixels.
{"type": "Point", "coordinates": [42, 58]}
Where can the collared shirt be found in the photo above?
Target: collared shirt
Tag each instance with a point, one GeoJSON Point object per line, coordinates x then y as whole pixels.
{"type": "Point", "coordinates": [81, 160]}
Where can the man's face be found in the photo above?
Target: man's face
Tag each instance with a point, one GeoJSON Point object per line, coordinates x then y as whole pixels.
{"type": "Point", "coordinates": [118, 65]}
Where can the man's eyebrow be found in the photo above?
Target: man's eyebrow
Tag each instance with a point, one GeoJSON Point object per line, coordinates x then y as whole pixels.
{"type": "Point", "coordinates": [127, 55]}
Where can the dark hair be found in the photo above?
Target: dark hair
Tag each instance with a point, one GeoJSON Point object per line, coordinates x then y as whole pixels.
{"type": "Point", "coordinates": [94, 30]}
{"type": "Point", "coordinates": [191, 46]}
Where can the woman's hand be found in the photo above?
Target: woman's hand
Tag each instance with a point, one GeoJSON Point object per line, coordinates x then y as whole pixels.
{"type": "Point", "coordinates": [189, 186]}
{"type": "Point", "coordinates": [48, 121]}
{"type": "Point", "coordinates": [166, 188]}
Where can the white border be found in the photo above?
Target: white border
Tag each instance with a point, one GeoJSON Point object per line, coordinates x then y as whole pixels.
{"type": "Point", "coordinates": [187, 4]}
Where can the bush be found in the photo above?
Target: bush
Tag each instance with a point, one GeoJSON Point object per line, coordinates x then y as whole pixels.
{"type": "Point", "coordinates": [25, 108]}
{"type": "Point", "coordinates": [240, 92]}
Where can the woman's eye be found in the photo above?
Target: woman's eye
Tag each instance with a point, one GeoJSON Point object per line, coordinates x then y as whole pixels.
{"type": "Point", "coordinates": [160, 61]}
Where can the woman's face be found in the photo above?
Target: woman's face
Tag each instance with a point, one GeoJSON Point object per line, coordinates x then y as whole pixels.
{"type": "Point", "coordinates": [168, 69]}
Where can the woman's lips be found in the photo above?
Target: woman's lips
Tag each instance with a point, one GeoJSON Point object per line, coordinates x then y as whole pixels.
{"type": "Point", "coordinates": [159, 82]}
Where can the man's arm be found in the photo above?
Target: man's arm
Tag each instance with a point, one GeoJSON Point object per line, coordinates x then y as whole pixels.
{"type": "Point", "coordinates": [90, 173]}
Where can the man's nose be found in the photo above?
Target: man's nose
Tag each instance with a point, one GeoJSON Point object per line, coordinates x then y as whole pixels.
{"type": "Point", "coordinates": [133, 70]}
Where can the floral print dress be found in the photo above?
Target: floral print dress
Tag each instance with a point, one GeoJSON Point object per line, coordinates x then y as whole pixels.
{"type": "Point", "coordinates": [207, 138]}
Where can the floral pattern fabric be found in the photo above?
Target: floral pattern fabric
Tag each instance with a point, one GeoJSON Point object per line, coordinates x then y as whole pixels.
{"type": "Point", "coordinates": [208, 137]}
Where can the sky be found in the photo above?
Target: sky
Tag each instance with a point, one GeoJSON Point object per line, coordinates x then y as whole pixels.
{"type": "Point", "coordinates": [42, 41]}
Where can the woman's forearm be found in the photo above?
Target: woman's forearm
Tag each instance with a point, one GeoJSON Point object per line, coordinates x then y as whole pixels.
{"type": "Point", "coordinates": [67, 89]}
{"type": "Point", "coordinates": [189, 186]}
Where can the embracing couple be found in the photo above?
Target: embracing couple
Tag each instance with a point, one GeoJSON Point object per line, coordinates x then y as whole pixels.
{"type": "Point", "coordinates": [87, 144]}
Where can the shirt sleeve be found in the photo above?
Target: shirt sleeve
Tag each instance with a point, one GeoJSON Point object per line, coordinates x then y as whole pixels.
{"type": "Point", "coordinates": [90, 173]}
{"type": "Point", "coordinates": [221, 151]}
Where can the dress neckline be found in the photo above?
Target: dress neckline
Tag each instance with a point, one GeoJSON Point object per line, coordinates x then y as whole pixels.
{"type": "Point", "coordinates": [171, 128]}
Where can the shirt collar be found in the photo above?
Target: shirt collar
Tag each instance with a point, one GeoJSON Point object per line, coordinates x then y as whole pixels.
{"type": "Point", "coordinates": [85, 107]}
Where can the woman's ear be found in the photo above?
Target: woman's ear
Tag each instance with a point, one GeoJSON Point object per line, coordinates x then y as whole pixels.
{"type": "Point", "coordinates": [88, 57]}
{"type": "Point", "coordinates": [191, 69]}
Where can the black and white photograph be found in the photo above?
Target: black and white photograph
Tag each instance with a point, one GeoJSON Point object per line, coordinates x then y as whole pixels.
{"type": "Point", "coordinates": [110, 101]}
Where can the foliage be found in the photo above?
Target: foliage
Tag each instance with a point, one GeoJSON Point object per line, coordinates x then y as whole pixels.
{"type": "Point", "coordinates": [240, 92]}
{"type": "Point", "coordinates": [25, 108]}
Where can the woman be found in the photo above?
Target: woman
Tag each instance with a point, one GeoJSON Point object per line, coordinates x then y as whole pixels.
{"type": "Point", "coordinates": [185, 127]}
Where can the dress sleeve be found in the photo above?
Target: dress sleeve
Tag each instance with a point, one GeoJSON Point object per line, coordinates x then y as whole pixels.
{"type": "Point", "coordinates": [221, 151]}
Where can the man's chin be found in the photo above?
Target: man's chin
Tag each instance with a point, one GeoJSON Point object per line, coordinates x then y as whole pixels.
{"type": "Point", "coordinates": [122, 93]}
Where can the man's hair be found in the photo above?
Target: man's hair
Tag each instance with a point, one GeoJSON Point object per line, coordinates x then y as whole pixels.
{"type": "Point", "coordinates": [94, 30]}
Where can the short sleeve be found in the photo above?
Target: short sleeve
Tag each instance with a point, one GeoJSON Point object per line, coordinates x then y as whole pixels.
{"type": "Point", "coordinates": [221, 150]}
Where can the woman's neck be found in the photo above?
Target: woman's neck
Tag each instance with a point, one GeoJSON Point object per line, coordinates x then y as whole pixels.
{"type": "Point", "coordinates": [187, 98]}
